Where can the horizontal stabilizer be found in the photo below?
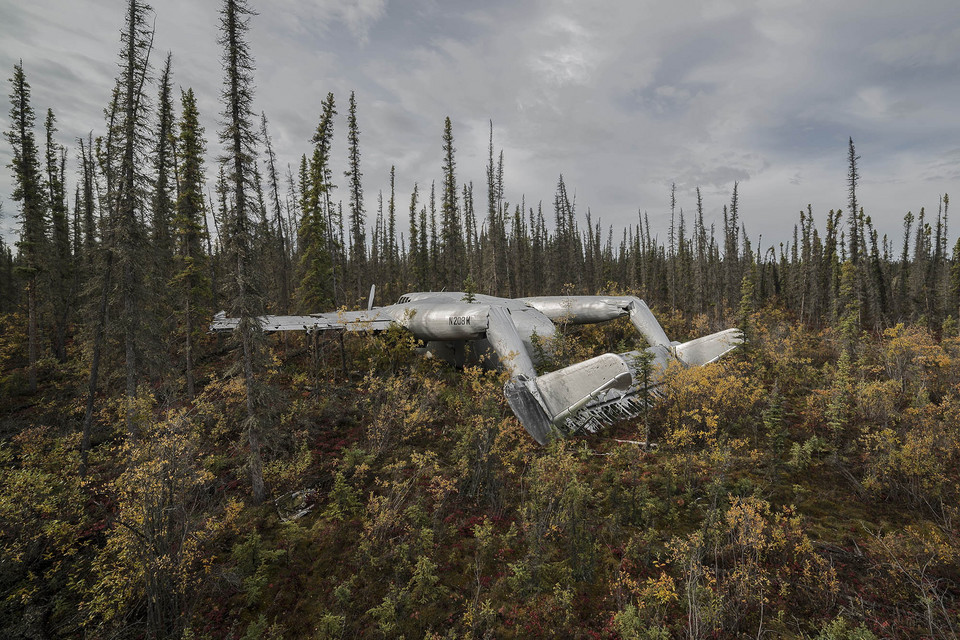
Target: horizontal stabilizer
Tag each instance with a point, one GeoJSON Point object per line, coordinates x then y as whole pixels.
{"type": "Point", "coordinates": [709, 348]}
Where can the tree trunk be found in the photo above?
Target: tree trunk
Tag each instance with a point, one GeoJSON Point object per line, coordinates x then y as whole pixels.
{"type": "Point", "coordinates": [32, 330]}
{"type": "Point", "coordinates": [189, 351]}
{"type": "Point", "coordinates": [129, 313]}
{"type": "Point", "coordinates": [95, 367]}
{"type": "Point", "coordinates": [253, 425]}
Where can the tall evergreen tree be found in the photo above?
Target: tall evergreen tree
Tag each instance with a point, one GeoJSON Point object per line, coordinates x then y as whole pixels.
{"type": "Point", "coordinates": [435, 277]}
{"type": "Point", "coordinates": [332, 216]}
{"type": "Point", "coordinates": [191, 280]}
{"type": "Point", "coordinates": [376, 241]}
{"type": "Point", "coordinates": [495, 268]}
{"type": "Point", "coordinates": [29, 193]}
{"type": "Point", "coordinates": [452, 250]}
{"type": "Point", "coordinates": [282, 249]}
{"type": "Point", "coordinates": [564, 255]}
{"type": "Point", "coordinates": [731, 247]}
{"type": "Point", "coordinates": [128, 202]}
{"type": "Point", "coordinates": [470, 232]}
{"type": "Point", "coordinates": [105, 156]}
{"type": "Point", "coordinates": [238, 135]}
{"type": "Point", "coordinates": [315, 268]}
{"type": "Point", "coordinates": [88, 223]}
{"type": "Point", "coordinates": [358, 240]}
{"type": "Point", "coordinates": [418, 252]}
{"type": "Point", "coordinates": [491, 274]}
{"type": "Point", "coordinates": [164, 200]}
{"type": "Point", "coordinates": [853, 176]}
{"type": "Point", "coordinates": [391, 227]}
{"type": "Point", "coordinates": [672, 246]}
{"type": "Point", "coordinates": [60, 260]}
{"type": "Point", "coordinates": [878, 280]}
{"type": "Point", "coordinates": [700, 257]}
{"type": "Point", "coordinates": [953, 304]}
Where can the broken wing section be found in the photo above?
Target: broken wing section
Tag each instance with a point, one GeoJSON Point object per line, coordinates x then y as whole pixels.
{"type": "Point", "coordinates": [372, 320]}
{"type": "Point", "coordinates": [600, 391]}
{"type": "Point", "coordinates": [584, 396]}
{"type": "Point", "coordinates": [709, 348]}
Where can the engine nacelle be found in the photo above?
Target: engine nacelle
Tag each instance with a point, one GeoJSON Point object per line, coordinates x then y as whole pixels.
{"type": "Point", "coordinates": [444, 320]}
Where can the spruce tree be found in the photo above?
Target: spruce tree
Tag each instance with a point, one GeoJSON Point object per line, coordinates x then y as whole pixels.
{"type": "Point", "coordinates": [700, 234]}
{"type": "Point", "coordinates": [415, 255]}
{"type": "Point", "coordinates": [435, 277]}
{"type": "Point", "coordinates": [164, 199]}
{"type": "Point", "coordinates": [191, 281]}
{"type": "Point", "coordinates": [323, 141]}
{"type": "Point", "coordinates": [424, 248]}
{"type": "Point", "coordinates": [731, 247]}
{"type": "Point", "coordinates": [28, 192]}
{"type": "Point", "coordinates": [491, 272]}
{"type": "Point", "coordinates": [519, 250]}
{"type": "Point", "coordinates": [558, 256]}
{"type": "Point", "coordinates": [853, 176]}
{"type": "Point", "coordinates": [469, 231]}
{"type": "Point", "coordinates": [494, 268]}
{"type": "Point", "coordinates": [282, 235]}
{"type": "Point", "coordinates": [129, 127]}
{"type": "Point", "coordinates": [358, 241]}
{"type": "Point", "coordinates": [877, 290]}
{"type": "Point", "coordinates": [452, 251]}
{"type": "Point", "coordinates": [239, 137]}
{"type": "Point", "coordinates": [59, 274]}
{"type": "Point", "coordinates": [88, 223]}
{"type": "Point", "coordinates": [391, 232]}
{"type": "Point", "coordinates": [672, 247]}
{"type": "Point", "coordinates": [315, 269]}
{"type": "Point", "coordinates": [376, 239]}
{"type": "Point", "coordinates": [105, 157]}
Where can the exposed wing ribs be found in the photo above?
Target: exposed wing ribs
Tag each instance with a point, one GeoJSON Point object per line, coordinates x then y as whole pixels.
{"type": "Point", "coordinates": [373, 320]}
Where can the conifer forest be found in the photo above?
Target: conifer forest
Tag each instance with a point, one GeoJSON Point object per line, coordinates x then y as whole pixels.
{"type": "Point", "coordinates": [159, 481]}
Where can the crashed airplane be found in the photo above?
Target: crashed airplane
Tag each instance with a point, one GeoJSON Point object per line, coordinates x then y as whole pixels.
{"type": "Point", "coordinates": [582, 396]}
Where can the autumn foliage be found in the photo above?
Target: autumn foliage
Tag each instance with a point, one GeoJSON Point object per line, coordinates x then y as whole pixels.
{"type": "Point", "coordinates": [791, 493]}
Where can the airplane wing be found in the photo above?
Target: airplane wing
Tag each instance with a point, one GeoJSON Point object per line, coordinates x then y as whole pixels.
{"type": "Point", "coordinates": [372, 320]}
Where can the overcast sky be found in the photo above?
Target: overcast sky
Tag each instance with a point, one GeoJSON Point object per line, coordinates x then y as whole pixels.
{"type": "Point", "coordinates": [622, 98]}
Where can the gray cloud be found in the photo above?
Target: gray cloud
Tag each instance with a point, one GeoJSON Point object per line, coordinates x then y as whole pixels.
{"type": "Point", "coordinates": [622, 98]}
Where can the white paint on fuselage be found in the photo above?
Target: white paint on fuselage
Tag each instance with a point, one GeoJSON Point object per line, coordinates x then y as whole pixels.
{"type": "Point", "coordinates": [448, 316]}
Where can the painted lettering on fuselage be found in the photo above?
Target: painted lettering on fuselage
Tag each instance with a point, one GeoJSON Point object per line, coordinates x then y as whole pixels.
{"type": "Point", "coordinates": [459, 321]}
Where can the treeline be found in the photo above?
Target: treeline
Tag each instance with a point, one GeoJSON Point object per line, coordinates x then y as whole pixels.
{"type": "Point", "coordinates": [321, 250]}
{"type": "Point", "coordinates": [148, 233]}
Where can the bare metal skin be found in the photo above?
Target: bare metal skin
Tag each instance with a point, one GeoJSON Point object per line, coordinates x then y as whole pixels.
{"type": "Point", "coordinates": [584, 395]}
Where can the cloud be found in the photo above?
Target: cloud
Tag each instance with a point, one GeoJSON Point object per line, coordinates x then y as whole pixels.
{"type": "Point", "coordinates": [326, 16]}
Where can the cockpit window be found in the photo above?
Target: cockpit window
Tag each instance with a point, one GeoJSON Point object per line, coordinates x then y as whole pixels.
{"type": "Point", "coordinates": [403, 299]}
